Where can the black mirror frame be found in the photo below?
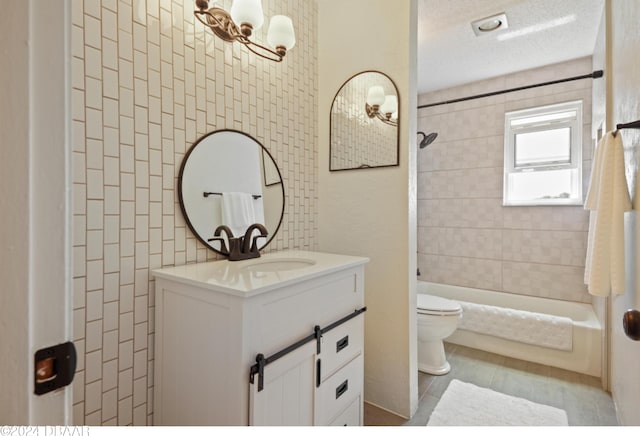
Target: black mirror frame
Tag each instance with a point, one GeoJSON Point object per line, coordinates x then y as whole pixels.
{"type": "Point", "coordinates": [179, 188]}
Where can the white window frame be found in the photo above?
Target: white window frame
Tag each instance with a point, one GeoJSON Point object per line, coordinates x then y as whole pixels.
{"type": "Point", "coordinates": [575, 160]}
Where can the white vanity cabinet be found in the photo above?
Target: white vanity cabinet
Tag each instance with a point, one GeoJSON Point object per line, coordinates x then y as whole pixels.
{"type": "Point", "coordinates": [302, 311]}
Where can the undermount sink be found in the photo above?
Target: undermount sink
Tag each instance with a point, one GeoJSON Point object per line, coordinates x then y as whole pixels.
{"type": "Point", "coordinates": [275, 265]}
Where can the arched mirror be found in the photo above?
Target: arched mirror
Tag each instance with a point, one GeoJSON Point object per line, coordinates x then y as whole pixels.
{"type": "Point", "coordinates": [228, 178]}
{"type": "Point", "coordinates": [364, 123]}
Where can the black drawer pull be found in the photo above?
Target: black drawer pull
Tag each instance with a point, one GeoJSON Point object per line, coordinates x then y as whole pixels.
{"type": "Point", "coordinates": [344, 387]}
{"type": "Point", "coordinates": [318, 373]}
{"type": "Point", "coordinates": [342, 344]}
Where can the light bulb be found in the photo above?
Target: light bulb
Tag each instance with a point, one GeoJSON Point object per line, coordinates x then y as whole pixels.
{"type": "Point", "coordinates": [375, 97]}
{"type": "Point", "coordinates": [390, 105]}
{"type": "Point", "coordinates": [281, 33]}
{"type": "Point", "coordinates": [247, 11]}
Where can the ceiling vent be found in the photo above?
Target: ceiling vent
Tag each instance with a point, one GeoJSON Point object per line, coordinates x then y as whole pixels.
{"type": "Point", "coordinates": [490, 24]}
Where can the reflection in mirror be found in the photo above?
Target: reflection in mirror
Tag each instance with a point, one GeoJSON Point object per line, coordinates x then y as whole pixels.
{"type": "Point", "coordinates": [228, 178]}
{"type": "Point", "coordinates": [364, 123]}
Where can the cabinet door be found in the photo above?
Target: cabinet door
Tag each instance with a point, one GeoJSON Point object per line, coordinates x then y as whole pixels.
{"type": "Point", "coordinates": [287, 397]}
{"type": "Point", "coordinates": [336, 393]}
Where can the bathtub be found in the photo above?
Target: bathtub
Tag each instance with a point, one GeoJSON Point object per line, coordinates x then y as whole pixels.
{"type": "Point", "coordinates": [585, 356]}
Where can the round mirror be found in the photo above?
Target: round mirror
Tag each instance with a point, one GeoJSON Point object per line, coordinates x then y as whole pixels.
{"type": "Point", "coordinates": [227, 178]}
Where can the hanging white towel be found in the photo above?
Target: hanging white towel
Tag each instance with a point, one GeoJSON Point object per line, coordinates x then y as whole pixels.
{"type": "Point", "coordinates": [238, 212]}
{"type": "Point", "coordinates": [608, 198]}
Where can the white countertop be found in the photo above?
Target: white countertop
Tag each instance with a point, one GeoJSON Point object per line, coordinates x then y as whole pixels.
{"type": "Point", "coordinates": [246, 278]}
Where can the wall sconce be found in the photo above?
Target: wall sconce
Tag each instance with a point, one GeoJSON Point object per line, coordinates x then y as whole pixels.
{"type": "Point", "coordinates": [248, 13]}
{"type": "Point", "coordinates": [383, 107]}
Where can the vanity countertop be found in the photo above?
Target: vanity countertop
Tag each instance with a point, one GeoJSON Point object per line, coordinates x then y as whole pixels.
{"type": "Point", "coordinates": [247, 278]}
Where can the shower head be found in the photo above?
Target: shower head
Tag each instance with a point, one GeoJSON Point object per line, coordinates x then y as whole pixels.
{"type": "Point", "coordinates": [427, 139]}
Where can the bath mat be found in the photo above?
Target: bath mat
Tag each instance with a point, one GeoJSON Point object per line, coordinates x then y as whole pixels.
{"type": "Point", "coordinates": [467, 404]}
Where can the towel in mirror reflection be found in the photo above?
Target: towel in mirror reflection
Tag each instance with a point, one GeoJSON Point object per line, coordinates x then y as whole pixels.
{"type": "Point", "coordinates": [239, 211]}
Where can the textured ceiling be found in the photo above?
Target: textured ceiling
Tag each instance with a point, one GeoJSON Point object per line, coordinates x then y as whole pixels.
{"type": "Point", "coordinates": [540, 32]}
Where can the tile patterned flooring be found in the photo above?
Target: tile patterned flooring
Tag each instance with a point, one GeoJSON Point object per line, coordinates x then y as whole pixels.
{"type": "Point", "coordinates": [581, 396]}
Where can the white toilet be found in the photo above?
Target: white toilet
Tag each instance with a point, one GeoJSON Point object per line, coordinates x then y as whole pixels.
{"type": "Point", "coordinates": [437, 319]}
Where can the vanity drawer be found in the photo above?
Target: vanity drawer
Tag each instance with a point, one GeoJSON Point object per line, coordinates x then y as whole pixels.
{"type": "Point", "coordinates": [351, 415]}
{"type": "Point", "coordinates": [337, 392]}
{"type": "Point", "coordinates": [340, 345]}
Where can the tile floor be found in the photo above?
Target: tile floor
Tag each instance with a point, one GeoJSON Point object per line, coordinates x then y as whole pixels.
{"type": "Point", "coordinates": [581, 396]}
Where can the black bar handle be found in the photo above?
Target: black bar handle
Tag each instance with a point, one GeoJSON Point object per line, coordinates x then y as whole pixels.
{"type": "Point", "coordinates": [317, 331]}
{"type": "Point", "coordinates": [344, 387]}
{"type": "Point", "coordinates": [318, 373]}
{"type": "Point", "coordinates": [342, 344]}
{"type": "Point", "coordinates": [260, 361]}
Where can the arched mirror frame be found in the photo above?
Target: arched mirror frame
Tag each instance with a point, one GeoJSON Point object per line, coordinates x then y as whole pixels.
{"type": "Point", "coordinates": [331, 127]}
{"type": "Point", "coordinates": [265, 153]}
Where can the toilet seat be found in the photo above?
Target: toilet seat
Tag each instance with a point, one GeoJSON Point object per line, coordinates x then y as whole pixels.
{"type": "Point", "coordinates": [433, 305]}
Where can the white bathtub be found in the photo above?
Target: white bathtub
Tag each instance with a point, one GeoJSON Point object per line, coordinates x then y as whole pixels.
{"type": "Point", "coordinates": [586, 355]}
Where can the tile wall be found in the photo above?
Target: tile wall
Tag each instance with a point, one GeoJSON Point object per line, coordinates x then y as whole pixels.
{"type": "Point", "coordinates": [147, 82]}
{"type": "Point", "coordinates": [465, 236]}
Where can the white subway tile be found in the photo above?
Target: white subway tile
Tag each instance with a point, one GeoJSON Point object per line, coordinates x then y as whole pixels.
{"type": "Point", "coordinates": [110, 348]}
{"type": "Point", "coordinates": [93, 399]}
{"type": "Point", "coordinates": [93, 366]}
{"type": "Point", "coordinates": [94, 305]}
{"type": "Point", "coordinates": [125, 355]}
{"type": "Point", "coordinates": [93, 339]}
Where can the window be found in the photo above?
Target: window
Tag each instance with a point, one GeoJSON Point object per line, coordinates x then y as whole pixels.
{"type": "Point", "coordinates": [543, 155]}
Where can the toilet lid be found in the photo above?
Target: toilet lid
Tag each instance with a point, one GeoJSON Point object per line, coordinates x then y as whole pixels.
{"type": "Point", "coordinates": [431, 303]}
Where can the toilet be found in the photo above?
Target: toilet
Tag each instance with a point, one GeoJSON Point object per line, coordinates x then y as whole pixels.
{"type": "Point", "coordinates": [437, 320]}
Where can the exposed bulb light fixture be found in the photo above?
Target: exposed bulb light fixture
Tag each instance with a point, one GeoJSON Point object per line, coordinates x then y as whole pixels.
{"type": "Point", "coordinates": [244, 18]}
{"type": "Point", "coordinates": [381, 106]}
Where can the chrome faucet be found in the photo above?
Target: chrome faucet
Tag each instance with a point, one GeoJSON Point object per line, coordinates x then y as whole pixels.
{"type": "Point", "coordinates": [240, 248]}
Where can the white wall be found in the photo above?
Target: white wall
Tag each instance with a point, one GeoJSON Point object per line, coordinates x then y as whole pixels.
{"type": "Point", "coordinates": [623, 106]}
{"type": "Point", "coordinates": [372, 212]}
{"type": "Point", "coordinates": [14, 204]}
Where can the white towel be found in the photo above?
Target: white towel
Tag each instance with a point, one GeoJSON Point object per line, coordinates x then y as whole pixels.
{"type": "Point", "coordinates": [608, 198]}
{"type": "Point", "coordinates": [238, 212]}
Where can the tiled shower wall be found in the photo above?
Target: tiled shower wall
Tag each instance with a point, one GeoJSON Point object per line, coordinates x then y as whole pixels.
{"type": "Point", "coordinates": [147, 82]}
{"type": "Point", "coordinates": [465, 236]}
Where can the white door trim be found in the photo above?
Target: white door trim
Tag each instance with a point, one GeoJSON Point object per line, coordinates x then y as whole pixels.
{"type": "Point", "coordinates": [35, 203]}
{"type": "Point", "coordinates": [50, 195]}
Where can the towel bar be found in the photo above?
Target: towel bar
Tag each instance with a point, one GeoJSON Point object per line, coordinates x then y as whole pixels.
{"type": "Point", "coordinates": [206, 194]}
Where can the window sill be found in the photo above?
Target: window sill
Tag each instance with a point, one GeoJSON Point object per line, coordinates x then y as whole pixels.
{"type": "Point", "coordinates": [551, 202]}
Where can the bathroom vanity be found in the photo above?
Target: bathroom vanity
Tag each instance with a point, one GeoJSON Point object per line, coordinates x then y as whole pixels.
{"type": "Point", "coordinates": [276, 340]}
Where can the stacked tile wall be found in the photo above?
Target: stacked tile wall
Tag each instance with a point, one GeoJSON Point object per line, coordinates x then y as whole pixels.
{"type": "Point", "coordinates": [148, 81]}
{"type": "Point", "coordinates": [465, 236]}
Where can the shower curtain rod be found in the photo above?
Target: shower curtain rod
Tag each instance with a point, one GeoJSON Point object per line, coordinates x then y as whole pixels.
{"type": "Point", "coordinates": [595, 75]}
